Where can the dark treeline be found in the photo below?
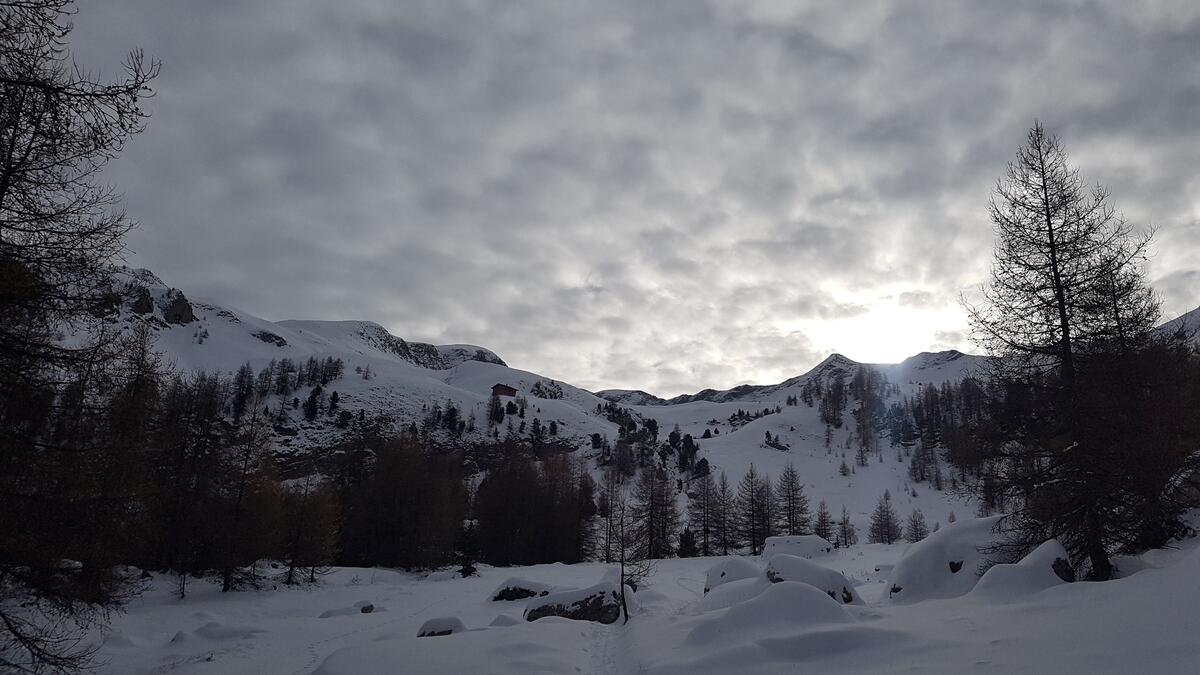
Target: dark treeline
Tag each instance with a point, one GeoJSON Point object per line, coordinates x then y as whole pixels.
{"type": "Point", "coordinates": [1004, 443]}
{"type": "Point", "coordinates": [154, 469]}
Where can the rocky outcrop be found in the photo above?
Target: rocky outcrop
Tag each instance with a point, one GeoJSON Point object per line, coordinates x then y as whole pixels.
{"type": "Point", "coordinates": [270, 338]}
{"type": "Point", "coordinates": [141, 303]}
{"type": "Point", "coordinates": [176, 309]}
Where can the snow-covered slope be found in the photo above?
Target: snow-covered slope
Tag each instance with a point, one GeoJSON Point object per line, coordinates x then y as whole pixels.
{"type": "Point", "coordinates": [407, 379]}
{"type": "Point", "coordinates": [1189, 323]}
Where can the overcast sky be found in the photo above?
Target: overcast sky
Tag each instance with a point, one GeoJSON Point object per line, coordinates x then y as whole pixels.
{"type": "Point", "coordinates": [657, 195]}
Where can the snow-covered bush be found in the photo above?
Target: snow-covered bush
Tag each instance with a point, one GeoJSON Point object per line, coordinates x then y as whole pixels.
{"type": "Point", "coordinates": [784, 567]}
{"type": "Point", "coordinates": [729, 594]}
{"type": "Point", "coordinates": [730, 569]}
{"type": "Point", "coordinates": [946, 564]}
{"type": "Point", "coordinates": [1034, 573]}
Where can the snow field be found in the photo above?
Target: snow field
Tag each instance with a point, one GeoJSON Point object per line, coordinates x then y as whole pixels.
{"type": "Point", "coordinates": [1013, 619]}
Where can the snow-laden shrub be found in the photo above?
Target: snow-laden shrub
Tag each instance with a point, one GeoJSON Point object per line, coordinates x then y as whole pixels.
{"type": "Point", "coordinates": [730, 569]}
{"type": "Point", "coordinates": [729, 594]}
{"type": "Point", "coordinates": [946, 564]}
{"type": "Point", "coordinates": [784, 567]}
{"type": "Point", "coordinates": [1034, 573]}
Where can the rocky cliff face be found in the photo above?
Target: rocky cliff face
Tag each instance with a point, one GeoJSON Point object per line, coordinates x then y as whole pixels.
{"type": "Point", "coordinates": [144, 294]}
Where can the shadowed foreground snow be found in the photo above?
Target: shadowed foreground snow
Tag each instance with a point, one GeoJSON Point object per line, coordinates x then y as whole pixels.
{"type": "Point", "coordinates": [1021, 619]}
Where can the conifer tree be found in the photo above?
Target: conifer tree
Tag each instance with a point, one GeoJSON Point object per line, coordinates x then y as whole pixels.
{"type": "Point", "coordinates": [751, 510]}
{"type": "Point", "coordinates": [725, 530]}
{"type": "Point", "coordinates": [687, 544]}
{"type": "Point", "coordinates": [654, 514]}
{"type": "Point", "coordinates": [1068, 314]}
{"type": "Point", "coordinates": [823, 524]}
{"type": "Point", "coordinates": [885, 527]}
{"type": "Point", "coordinates": [792, 503]}
{"type": "Point", "coordinates": [311, 523]}
{"type": "Point", "coordinates": [917, 529]}
{"type": "Point", "coordinates": [61, 233]}
{"type": "Point", "coordinates": [702, 513]}
{"type": "Point", "coordinates": [847, 534]}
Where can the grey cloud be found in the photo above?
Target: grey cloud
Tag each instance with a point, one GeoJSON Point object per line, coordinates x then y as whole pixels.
{"type": "Point", "coordinates": [919, 299]}
{"type": "Point", "coordinates": [631, 194]}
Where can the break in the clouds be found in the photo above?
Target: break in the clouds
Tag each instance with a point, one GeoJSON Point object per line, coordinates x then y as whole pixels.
{"type": "Point", "coordinates": [664, 195]}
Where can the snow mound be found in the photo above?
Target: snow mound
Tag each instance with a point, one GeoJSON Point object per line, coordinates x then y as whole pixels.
{"type": "Point", "coordinates": [782, 607]}
{"type": "Point", "coordinates": [783, 567]}
{"type": "Point", "coordinates": [802, 546]}
{"type": "Point", "coordinates": [217, 631]}
{"type": "Point", "coordinates": [1035, 572]}
{"type": "Point", "coordinates": [443, 625]}
{"type": "Point", "coordinates": [503, 620]}
{"type": "Point", "coordinates": [519, 588]}
{"type": "Point", "coordinates": [729, 570]}
{"type": "Point", "coordinates": [595, 603]}
{"type": "Point", "coordinates": [945, 564]}
{"type": "Point", "coordinates": [732, 593]}
{"type": "Point", "coordinates": [823, 643]}
{"type": "Point", "coordinates": [360, 607]}
{"type": "Point", "coordinates": [444, 575]}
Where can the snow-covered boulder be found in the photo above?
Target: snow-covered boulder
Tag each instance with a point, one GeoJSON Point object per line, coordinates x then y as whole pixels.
{"type": "Point", "coordinates": [730, 569]}
{"type": "Point", "coordinates": [1035, 572]}
{"type": "Point", "coordinates": [802, 546]}
{"type": "Point", "coordinates": [519, 588]}
{"type": "Point", "coordinates": [784, 606]}
{"type": "Point", "coordinates": [444, 625]}
{"type": "Point", "coordinates": [946, 564]}
{"type": "Point", "coordinates": [784, 567]}
{"type": "Point", "coordinates": [727, 595]}
{"type": "Point", "coordinates": [600, 603]}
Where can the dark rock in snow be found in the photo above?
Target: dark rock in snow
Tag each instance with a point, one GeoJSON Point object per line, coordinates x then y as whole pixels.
{"type": "Point", "coordinates": [178, 310]}
{"type": "Point", "coordinates": [517, 594]}
{"type": "Point", "coordinates": [955, 566]}
{"type": "Point", "coordinates": [367, 608]}
{"type": "Point", "coordinates": [1062, 567]}
{"type": "Point", "coordinates": [142, 303]}
{"type": "Point", "coordinates": [599, 603]}
{"type": "Point", "coordinates": [270, 338]}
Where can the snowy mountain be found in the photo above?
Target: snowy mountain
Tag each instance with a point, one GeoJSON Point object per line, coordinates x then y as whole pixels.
{"type": "Point", "coordinates": [386, 374]}
{"type": "Point", "coordinates": [1189, 323]}
{"type": "Point", "coordinates": [407, 378]}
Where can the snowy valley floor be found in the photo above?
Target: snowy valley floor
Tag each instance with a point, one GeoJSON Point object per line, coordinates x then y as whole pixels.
{"type": "Point", "coordinates": [1147, 622]}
